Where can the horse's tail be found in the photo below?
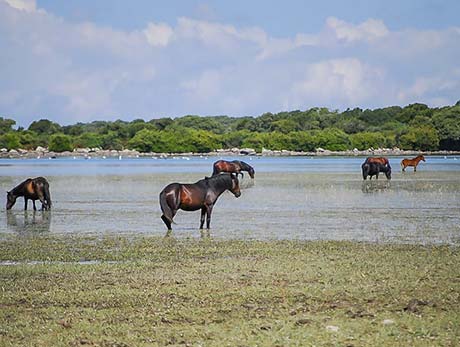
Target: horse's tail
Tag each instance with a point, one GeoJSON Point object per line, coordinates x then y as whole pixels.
{"type": "Point", "coordinates": [47, 195]}
{"type": "Point", "coordinates": [403, 166]}
{"type": "Point", "coordinates": [165, 208]}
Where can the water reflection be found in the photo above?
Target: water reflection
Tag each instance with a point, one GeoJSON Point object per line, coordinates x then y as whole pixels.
{"type": "Point", "coordinates": [375, 186]}
{"type": "Point", "coordinates": [28, 221]}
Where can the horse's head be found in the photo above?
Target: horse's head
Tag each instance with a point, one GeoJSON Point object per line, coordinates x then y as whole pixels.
{"type": "Point", "coordinates": [365, 169]}
{"type": "Point", "coordinates": [10, 200]}
{"type": "Point", "coordinates": [246, 167]}
{"type": "Point", "coordinates": [235, 186]}
{"type": "Point", "coordinates": [388, 172]}
{"type": "Point", "coordinates": [422, 157]}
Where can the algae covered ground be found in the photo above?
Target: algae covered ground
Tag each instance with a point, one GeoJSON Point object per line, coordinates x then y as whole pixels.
{"type": "Point", "coordinates": [150, 291]}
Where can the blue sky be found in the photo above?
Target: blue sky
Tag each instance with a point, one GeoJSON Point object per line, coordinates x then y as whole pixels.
{"type": "Point", "coordinates": [87, 60]}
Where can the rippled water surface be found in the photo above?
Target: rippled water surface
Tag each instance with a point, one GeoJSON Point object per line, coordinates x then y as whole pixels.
{"type": "Point", "coordinates": [290, 198]}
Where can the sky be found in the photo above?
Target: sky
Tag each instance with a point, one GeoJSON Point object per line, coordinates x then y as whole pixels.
{"type": "Point", "coordinates": [79, 61]}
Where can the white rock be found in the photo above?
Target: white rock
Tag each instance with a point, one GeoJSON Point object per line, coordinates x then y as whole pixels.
{"type": "Point", "coordinates": [332, 328]}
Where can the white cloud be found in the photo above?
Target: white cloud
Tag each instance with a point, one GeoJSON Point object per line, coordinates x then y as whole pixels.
{"type": "Point", "coordinates": [348, 80]}
{"type": "Point", "coordinates": [26, 5]}
{"type": "Point", "coordinates": [434, 89]}
{"type": "Point", "coordinates": [158, 34]}
{"type": "Point", "coordinates": [370, 30]}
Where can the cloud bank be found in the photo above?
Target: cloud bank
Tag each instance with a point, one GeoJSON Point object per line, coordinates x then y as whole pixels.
{"type": "Point", "coordinates": [71, 72]}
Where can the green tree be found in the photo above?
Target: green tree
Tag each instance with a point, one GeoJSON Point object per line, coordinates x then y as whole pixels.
{"type": "Point", "coordinates": [6, 125]}
{"type": "Point", "coordinates": [60, 143]}
{"type": "Point", "coordinates": [367, 140]}
{"type": "Point", "coordinates": [447, 123]}
{"type": "Point", "coordinates": [88, 140]}
{"type": "Point", "coordinates": [10, 140]}
{"type": "Point", "coordinates": [44, 126]}
{"type": "Point", "coordinates": [332, 139]}
{"type": "Point", "coordinates": [423, 138]}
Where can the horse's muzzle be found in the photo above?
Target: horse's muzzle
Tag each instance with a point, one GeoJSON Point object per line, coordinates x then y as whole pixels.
{"type": "Point", "coordinates": [237, 194]}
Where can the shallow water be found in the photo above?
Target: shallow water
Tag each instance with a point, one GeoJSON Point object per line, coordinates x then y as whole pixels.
{"type": "Point", "coordinates": [291, 198]}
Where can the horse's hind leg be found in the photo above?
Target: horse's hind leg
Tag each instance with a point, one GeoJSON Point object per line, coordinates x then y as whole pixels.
{"type": "Point", "coordinates": [208, 217]}
{"type": "Point", "coordinates": [167, 222]}
{"type": "Point", "coordinates": [25, 203]}
{"type": "Point", "coordinates": [203, 214]}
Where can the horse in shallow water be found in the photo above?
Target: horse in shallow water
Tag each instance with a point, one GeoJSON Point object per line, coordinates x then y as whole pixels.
{"type": "Point", "coordinates": [373, 169]}
{"type": "Point", "coordinates": [379, 160]}
{"type": "Point", "coordinates": [33, 189]}
{"type": "Point", "coordinates": [411, 162]}
{"type": "Point", "coordinates": [200, 195]}
{"type": "Point", "coordinates": [235, 166]}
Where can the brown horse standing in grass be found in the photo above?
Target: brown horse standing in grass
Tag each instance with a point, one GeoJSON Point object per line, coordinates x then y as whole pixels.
{"type": "Point", "coordinates": [33, 189]}
{"type": "Point", "coordinates": [200, 195]}
{"type": "Point", "coordinates": [235, 166]}
{"type": "Point", "coordinates": [411, 162]}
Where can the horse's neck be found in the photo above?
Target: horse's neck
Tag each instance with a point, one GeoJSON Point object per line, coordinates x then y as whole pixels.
{"type": "Point", "coordinates": [19, 189]}
{"type": "Point", "coordinates": [219, 188]}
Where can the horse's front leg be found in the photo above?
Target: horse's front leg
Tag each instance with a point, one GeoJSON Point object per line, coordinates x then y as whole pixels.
{"type": "Point", "coordinates": [415, 168]}
{"type": "Point", "coordinates": [33, 203]}
{"type": "Point", "coordinates": [25, 203]}
{"type": "Point", "coordinates": [208, 217]}
{"type": "Point", "coordinates": [203, 214]}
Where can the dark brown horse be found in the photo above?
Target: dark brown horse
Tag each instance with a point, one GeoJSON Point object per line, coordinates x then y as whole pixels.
{"type": "Point", "coordinates": [33, 189]}
{"type": "Point", "coordinates": [200, 195]}
{"type": "Point", "coordinates": [411, 162]}
{"type": "Point", "coordinates": [373, 169]}
{"type": "Point", "coordinates": [380, 160]}
{"type": "Point", "coordinates": [235, 166]}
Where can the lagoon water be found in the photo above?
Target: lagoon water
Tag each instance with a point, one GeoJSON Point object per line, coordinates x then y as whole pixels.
{"type": "Point", "coordinates": [306, 198]}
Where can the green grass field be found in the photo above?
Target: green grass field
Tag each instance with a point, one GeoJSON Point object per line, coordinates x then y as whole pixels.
{"type": "Point", "coordinates": [148, 291]}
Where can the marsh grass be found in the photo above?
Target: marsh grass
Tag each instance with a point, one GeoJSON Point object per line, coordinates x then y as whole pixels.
{"type": "Point", "coordinates": [149, 291]}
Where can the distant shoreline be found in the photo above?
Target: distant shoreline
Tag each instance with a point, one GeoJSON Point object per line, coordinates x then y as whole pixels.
{"type": "Point", "coordinates": [234, 152]}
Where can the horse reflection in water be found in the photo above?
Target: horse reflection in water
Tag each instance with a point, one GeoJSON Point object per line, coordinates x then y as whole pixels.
{"type": "Point", "coordinates": [192, 197]}
{"type": "Point", "coordinates": [375, 186]}
{"type": "Point", "coordinates": [28, 221]}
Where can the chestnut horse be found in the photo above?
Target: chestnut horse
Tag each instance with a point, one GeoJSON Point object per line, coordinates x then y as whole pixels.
{"type": "Point", "coordinates": [235, 166]}
{"type": "Point", "coordinates": [33, 189]}
{"type": "Point", "coordinates": [411, 162]}
{"type": "Point", "coordinates": [200, 195]}
{"type": "Point", "coordinates": [381, 160]}
{"type": "Point", "coordinates": [373, 169]}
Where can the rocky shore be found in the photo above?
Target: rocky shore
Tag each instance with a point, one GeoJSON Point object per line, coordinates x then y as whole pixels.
{"type": "Point", "coordinates": [88, 153]}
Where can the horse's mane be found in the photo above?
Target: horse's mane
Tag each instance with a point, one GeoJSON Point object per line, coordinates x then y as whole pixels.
{"type": "Point", "coordinates": [244, 165]}
{"type": "Point", "coordinates": [219, 180]}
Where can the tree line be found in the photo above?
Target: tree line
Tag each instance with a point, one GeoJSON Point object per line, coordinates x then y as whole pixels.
{"type": "Point", "coordinates": [413, 127]}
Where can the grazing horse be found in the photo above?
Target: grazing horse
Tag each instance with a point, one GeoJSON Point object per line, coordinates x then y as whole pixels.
{"type": "Point", "coordinates": [373, 169]}
{"type": "Point", "coordinates": [33, 189]}
{"type": "Point", "coordinates": [411, 162]}
{"type": "Point", "coordinates": [235, 166]}
{"type": "Point", "coordinates": [200, 195]}
{"type": "Point", "coordinates": [381, 160]}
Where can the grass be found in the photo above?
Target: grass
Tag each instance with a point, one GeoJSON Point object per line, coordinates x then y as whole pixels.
{"type": "Point", "coordinates": [147, 291]}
